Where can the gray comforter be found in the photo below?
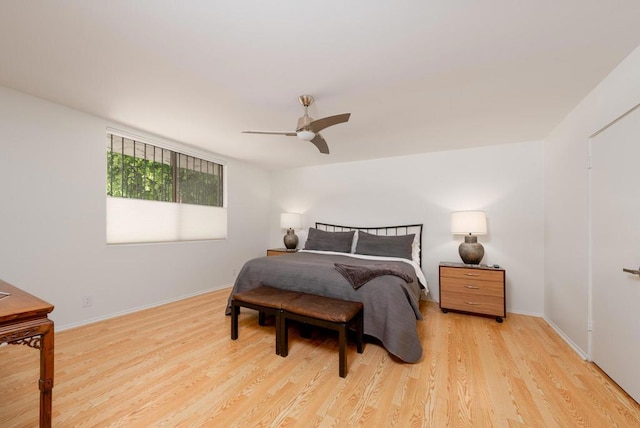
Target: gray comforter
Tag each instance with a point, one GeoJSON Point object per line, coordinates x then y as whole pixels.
{"type": "Point", "coordinates": [391, 305]}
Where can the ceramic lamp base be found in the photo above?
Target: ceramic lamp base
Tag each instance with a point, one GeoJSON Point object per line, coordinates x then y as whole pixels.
{"type": "Point", "coordinates": [471, 251]}
{"type": "Point", "coordinates": [290, 240]}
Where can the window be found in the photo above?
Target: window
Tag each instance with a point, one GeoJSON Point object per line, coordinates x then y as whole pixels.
{"type": "Point", "coordinates": [156, 193]}
{"type": "Point", "coordinates": [143, 171]}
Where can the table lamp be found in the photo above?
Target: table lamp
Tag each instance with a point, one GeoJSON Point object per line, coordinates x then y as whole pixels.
{"type": "Point", "coordinates": [470, 224]}
{"type": "Point", "coordinates": [290, 221]}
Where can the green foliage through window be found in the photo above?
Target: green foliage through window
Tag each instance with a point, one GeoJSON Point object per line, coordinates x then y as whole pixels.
{"type": "Point", "coordinates": [144, 171]}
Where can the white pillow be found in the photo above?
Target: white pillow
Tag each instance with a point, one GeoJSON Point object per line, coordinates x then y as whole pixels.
{"type": "Point", "coordinates": [415, 250]}
{"type": "Point", "coordinates": [354, 243]}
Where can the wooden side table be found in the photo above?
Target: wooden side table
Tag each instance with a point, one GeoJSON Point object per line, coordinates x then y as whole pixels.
{"type": "Point", "coordinates": [24, 321]}
{"type": "Point", "coordinates": [475, 289]}
{"type": "Point", "coordinates": [280, 251]}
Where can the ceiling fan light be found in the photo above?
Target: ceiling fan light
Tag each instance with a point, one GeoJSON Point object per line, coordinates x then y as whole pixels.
{"type": "Point", "coordinates": [306, 135]}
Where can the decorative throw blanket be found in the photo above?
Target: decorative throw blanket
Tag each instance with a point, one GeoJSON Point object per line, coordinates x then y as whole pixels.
{"type": "Point", "coordinates": [358, 275]}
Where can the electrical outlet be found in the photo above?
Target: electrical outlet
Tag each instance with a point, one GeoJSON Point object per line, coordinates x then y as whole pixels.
{"type": "Point", "coordinates": [87, 301]}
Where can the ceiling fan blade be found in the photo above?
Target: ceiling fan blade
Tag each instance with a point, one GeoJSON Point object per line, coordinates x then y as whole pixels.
{"type": "Point", "coordinates": [320, 124]}
{"type": "Point", "coordinates": [287, 133]}
{"type": "Point", "coordinates": [321, 144]}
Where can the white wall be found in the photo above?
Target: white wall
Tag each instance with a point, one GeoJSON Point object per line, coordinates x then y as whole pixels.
{"type": "Point", "coordinates": [503, 180]}
{"type": "Point", "coordinates": [567, 199]}
{"type": "Point", "coordinates": [52, 241]}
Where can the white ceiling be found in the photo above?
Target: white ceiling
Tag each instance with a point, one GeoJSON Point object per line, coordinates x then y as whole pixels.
{"type": "Point", "coordinates": [417, 76]}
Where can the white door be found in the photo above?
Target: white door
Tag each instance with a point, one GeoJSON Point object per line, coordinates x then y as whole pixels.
{"type": "Point", "coordinates": [615, 231]}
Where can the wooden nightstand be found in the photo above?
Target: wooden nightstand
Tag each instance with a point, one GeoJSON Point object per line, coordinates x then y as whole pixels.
{"type": "Point", "coordinates": [280, 251]}
{"type": "Point", "coordinates": [476, 289]}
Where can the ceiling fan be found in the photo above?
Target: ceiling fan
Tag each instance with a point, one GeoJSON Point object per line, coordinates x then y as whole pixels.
{"type": "Point", "coordinates": [309, 129]}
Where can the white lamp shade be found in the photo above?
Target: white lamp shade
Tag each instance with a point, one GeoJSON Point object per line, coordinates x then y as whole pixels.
{"type": "Point", "coordinates": [290, 220]}
{"type": "Point", "coordinates": [469, 222]}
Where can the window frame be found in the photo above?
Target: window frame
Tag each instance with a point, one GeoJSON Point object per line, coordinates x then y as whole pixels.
{"type": "Point", "coordinates": [176, 151]}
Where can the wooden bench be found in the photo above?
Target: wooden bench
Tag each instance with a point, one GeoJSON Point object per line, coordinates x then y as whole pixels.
{"type": "Point", "coordinates": [324, 312]}
{"type": "Point", "coordinates": [264, 299]}
{"type": "Point", "coordinates": [310, 309]}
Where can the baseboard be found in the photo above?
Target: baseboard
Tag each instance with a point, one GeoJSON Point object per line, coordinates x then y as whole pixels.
{"type": "Point", "coordinates": [566, 338]}
{"type": "Point", "coordinates": [138, 308]}
{"type": "Point", "coordinates": [529, 314]}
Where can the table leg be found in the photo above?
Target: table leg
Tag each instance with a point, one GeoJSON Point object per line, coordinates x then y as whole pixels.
{"type": "Point", "coordinates": [46, 374]}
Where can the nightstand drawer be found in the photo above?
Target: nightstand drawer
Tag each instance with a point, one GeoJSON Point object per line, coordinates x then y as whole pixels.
{"type": "Point", "coordinates": [489, 305]}
{"type": "Point", "coordinates": [472, 287]}
{"type": "Point", "coordinates": [474, 274]}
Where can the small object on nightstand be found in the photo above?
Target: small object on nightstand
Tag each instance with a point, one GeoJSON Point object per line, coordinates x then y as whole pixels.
{"type": "Point", "coordinates": [477, 289]}
{"type": "Point", "coordinates": [280, 251]}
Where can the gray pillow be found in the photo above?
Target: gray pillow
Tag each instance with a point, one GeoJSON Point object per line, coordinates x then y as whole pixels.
{"type": "Point", "coordinates": [329, 241]}
{"type": "Point", "coordinates": [385, 246]}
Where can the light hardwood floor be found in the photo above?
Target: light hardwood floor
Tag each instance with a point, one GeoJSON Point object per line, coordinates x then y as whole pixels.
{"type": "Point", "coordinates": [175, 365]}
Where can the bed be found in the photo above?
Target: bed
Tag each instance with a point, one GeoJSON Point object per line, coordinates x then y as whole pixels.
{"type": "Point", "coordinates": [380, 267]}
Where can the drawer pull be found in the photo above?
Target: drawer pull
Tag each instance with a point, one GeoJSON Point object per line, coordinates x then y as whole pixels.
{"type": "Point", "coordinates": [472, 274]}
{"type": "Point", "coordinates": [473, 303]}
{"type": "Point", "coordinates": [473, 287]}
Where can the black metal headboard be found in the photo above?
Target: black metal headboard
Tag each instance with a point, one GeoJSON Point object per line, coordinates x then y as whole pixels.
{"type": "Point", "coordinates": [407, 229]}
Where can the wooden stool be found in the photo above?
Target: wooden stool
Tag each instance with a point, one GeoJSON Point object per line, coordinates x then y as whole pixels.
{"type": "Point", "coordinates": [264, 299]}
{"type": "Point", "coordinates": [326, 312]}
